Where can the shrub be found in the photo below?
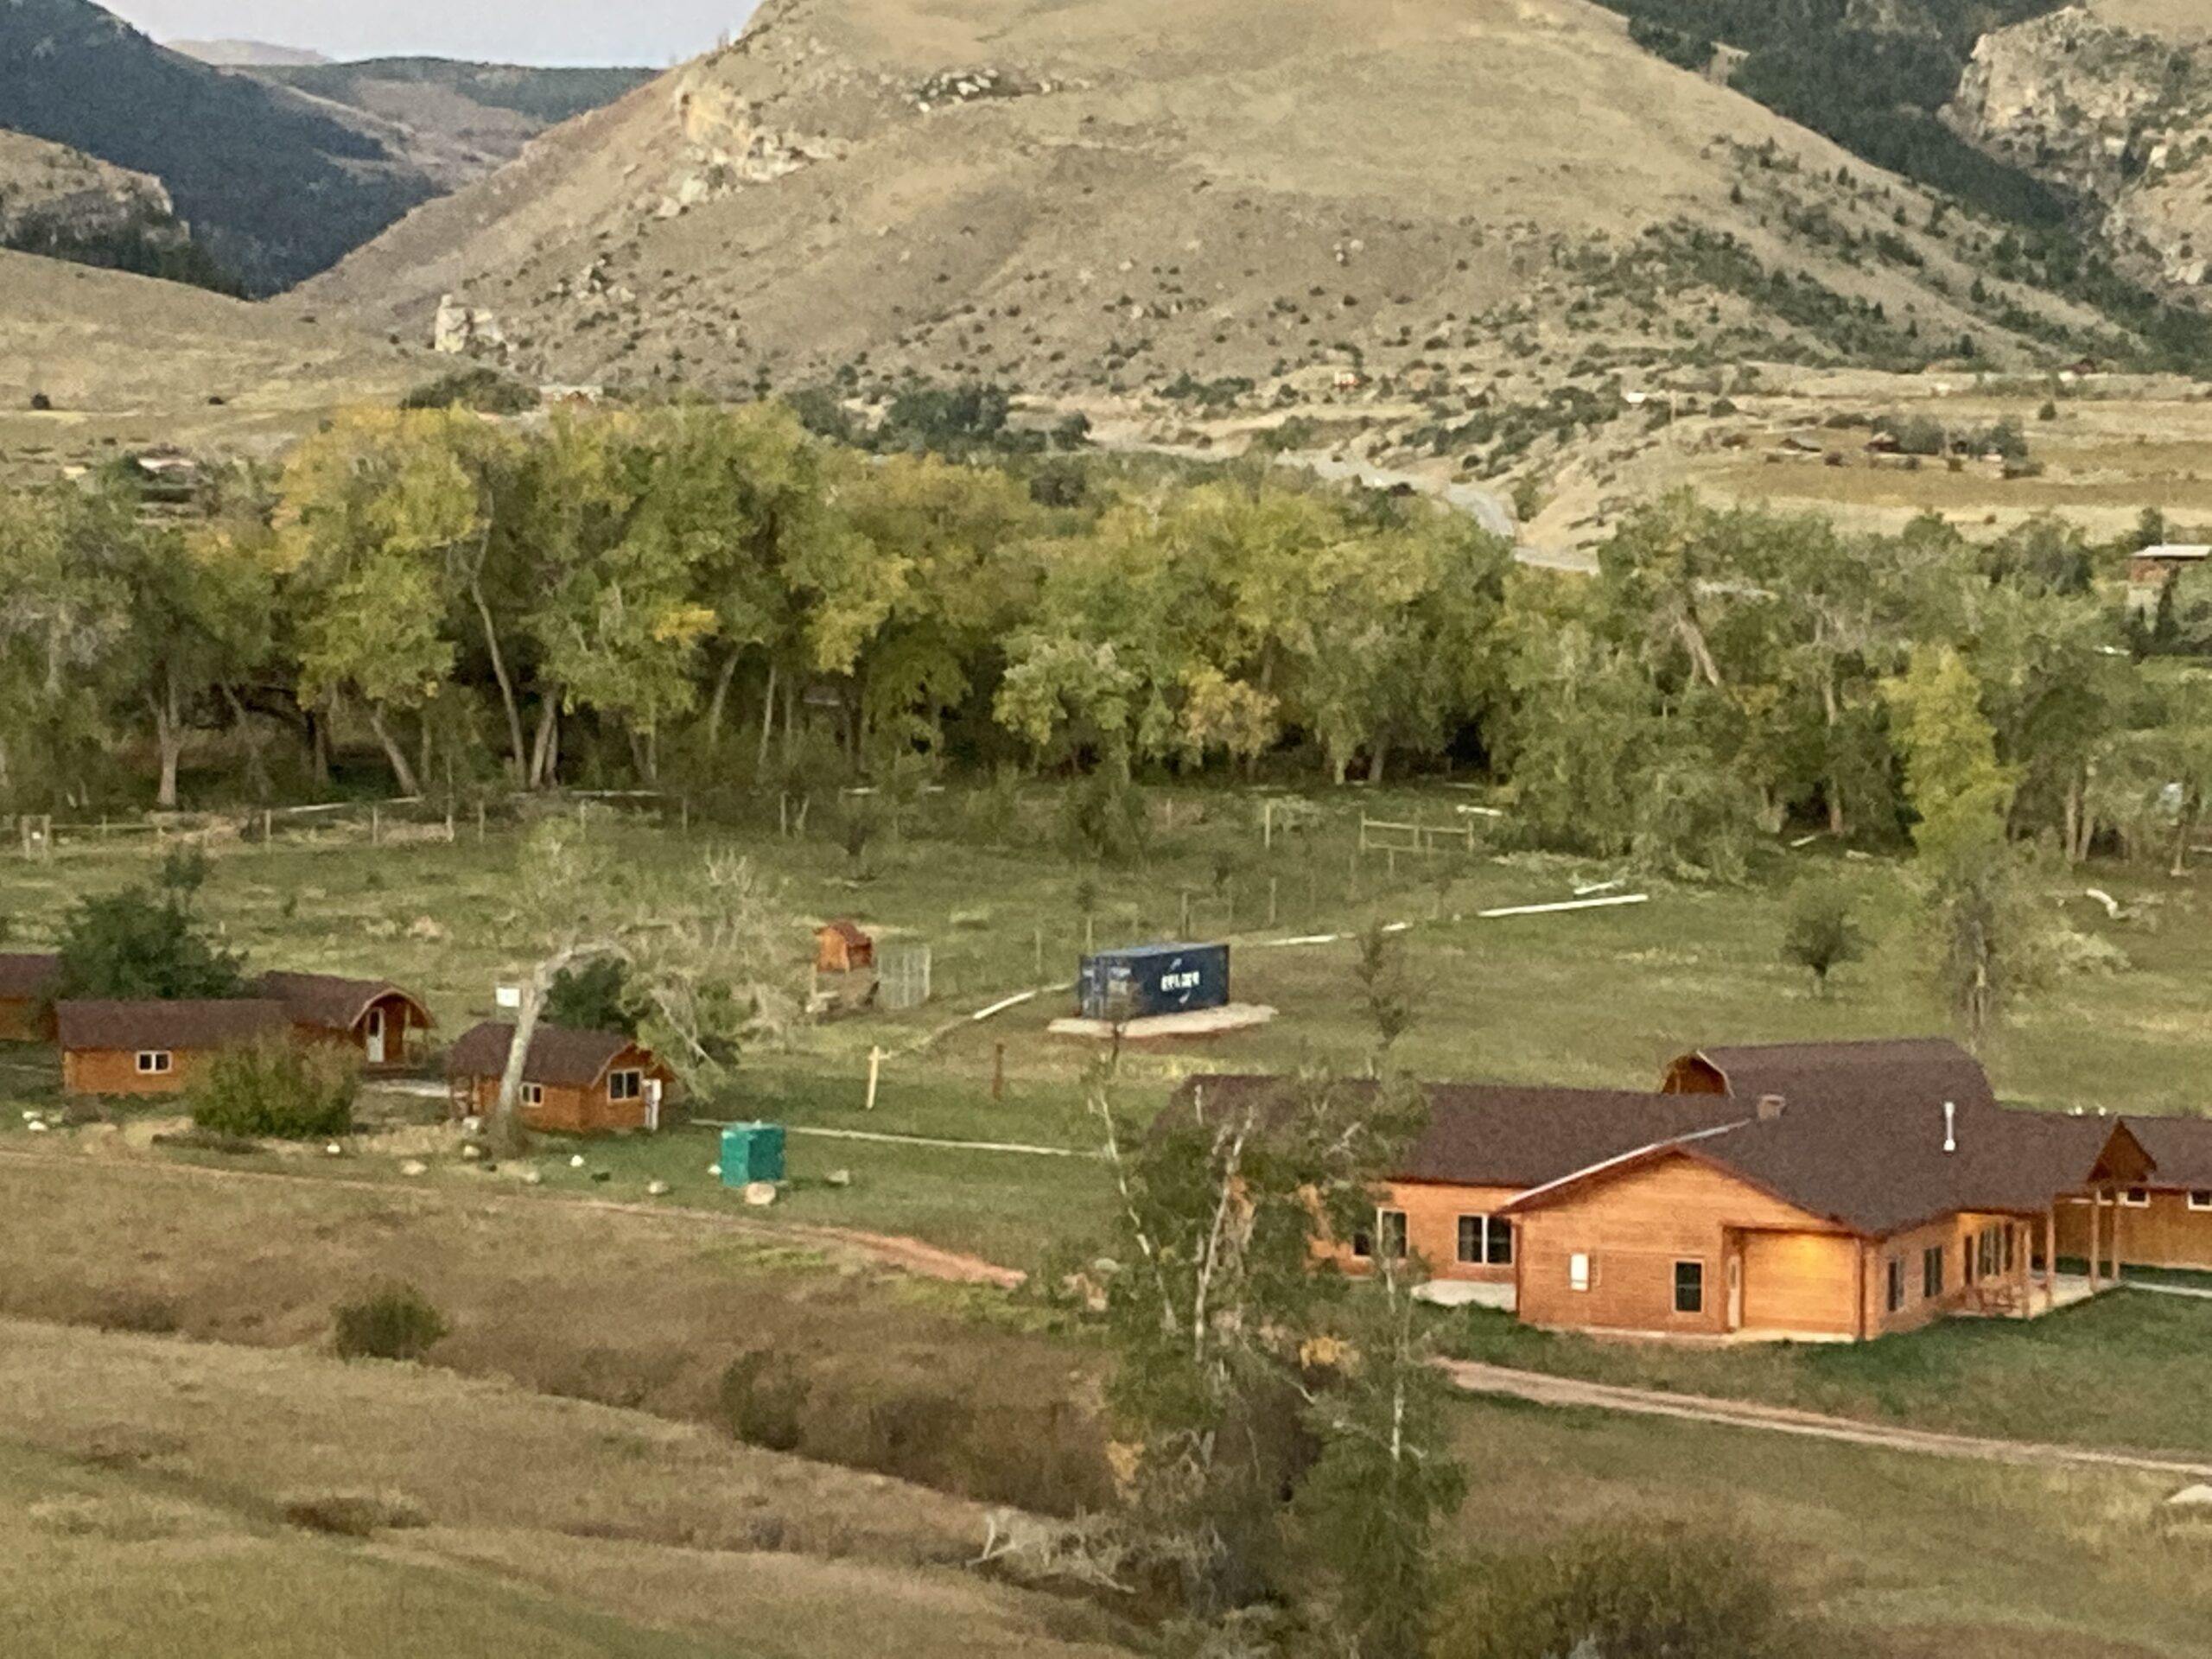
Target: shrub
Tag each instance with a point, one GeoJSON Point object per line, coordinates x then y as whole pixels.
{"type": "Point", "coordinates": [481, 389]}
{"type": "Point", "coordinates": [397, 1322]}
{"type": "Point", "coordinates": [276, 1088]}
{"type": "Point", "coordinates": [1651, 1592]}
{"type": "Point", "coordinates": [764, 1401]}
{"type": "Point", "coordinates": [1821, 935]}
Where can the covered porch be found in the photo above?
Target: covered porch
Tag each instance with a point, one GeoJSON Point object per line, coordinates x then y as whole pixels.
{"type": "Point", "coordinates": [2040, 1286]}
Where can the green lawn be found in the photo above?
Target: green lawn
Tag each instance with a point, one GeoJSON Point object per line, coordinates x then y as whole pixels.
{"type": "Point", "coordinates": [1903, 1556]}
{"type": "Point", "coordinates": [2127, 1371]}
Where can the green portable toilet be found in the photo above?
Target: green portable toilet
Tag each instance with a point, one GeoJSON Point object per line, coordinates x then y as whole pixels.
{"type": "Point", "coordinates": [753, 1152]}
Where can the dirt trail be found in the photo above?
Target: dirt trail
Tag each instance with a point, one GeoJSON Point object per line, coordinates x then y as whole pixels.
{"type": "Point", "coordinates": [1545, 1390]}
{"type": "Point", "coordinates": [907, 1255]}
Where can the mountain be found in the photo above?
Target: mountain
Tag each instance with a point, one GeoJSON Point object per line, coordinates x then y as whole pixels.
{"type": "Point", "coordinates": [243, 54]}
{"type": "Point", "coordinates": [2112, 104]}
{"type": "Point", "coordinates": [1491, 211]}
{"type": "Point", "coordinates": [456, 122]}
{"type": "Point", "coordinates": [275, 189]}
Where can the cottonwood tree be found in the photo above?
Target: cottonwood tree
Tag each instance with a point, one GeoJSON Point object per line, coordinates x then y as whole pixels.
{"type": "Point", "coordinates": [704, 953]}
{"type": "Point", "coordinates": [147, 943]}
{"type": "Point", "coordinates": [1821, 935]}
{"type": "Point", "coordinates": [1284, 1428]}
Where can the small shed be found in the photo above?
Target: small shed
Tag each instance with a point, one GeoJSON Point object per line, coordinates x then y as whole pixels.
{"type": "Point", "coordinates": [1144, 981]}
{"type": "Point", "coordinates": [751, 1153]}
{"type": "Point", "coordinates": [154, 1048]}
{"type": "Point", "coordinates": [573, 1082]}
{"type": "Point", "coordinates": [377, 1020]}
{"type": "Point", "coordinates": [26, 983]}
{"type": "Point", "coordinates": [842, 948]}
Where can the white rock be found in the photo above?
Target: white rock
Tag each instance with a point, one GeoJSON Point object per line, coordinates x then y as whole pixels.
{"type": "Point", "coordinates": [576, 1162]}
{"type": "Point", "coordinates": [715, 1170]}
{"type": "Point", "coordinates": [760, 1194]}
{"type": "Point", "coordinates": [39, 1126]}
{"type": "Point", "coordinates": [2192, 1497]}
{"type": "Point", "coordinates": [841, 1177]}
{"type": "Point", "coordinates": [414, 1166]}
{"type": "Point", "coordinates": [472, 1126]}
{"type": "Point", "coordinates": [657, 1190]}
{"type": "Point", "coordinates": [472, 1152]}
{"type": "Point", "coordinates": [31, 1117]}
{"type": "Point", "coordinates": [335, 1150]}
{"type": "Point", "coordinates": [532, 1177]}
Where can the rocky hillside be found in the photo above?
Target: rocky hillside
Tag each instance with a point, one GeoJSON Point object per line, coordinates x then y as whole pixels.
{"type": "Point", "coordinates": [61, 203]}
{"type": "Point", "coordinates": [1487, 211]}
{"type": "Point", "coordinates": [2112, 104]}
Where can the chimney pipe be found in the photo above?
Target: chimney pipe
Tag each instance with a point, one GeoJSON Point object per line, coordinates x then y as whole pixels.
{"type": "Point", "coordinates": [1951, 1126]}
{"type": "Point", "coordinates": [1771, 1108]}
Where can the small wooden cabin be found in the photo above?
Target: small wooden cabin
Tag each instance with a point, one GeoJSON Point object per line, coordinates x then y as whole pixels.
{"type": "Point", "coordinates": [26, 985]}
{"type": "Point", "coordinates": [154, 1048]}
{"type": "Point", "coordinates": [842, 948]}
{"type": "Point", "coordinates": [573, 1082]}
{"type": "Point", "coordinates": [379, 1021]}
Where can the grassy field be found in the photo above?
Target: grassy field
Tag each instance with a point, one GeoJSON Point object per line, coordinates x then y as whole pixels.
{"type": "Point", "coordinates": [2126, 1371]}
{"type": "Point", "coordinates": [1907, 1558]}
{"type": "Point", "coordinates": [196, 1499]}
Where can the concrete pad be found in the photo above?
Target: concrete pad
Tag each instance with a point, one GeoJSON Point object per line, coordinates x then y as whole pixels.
{"type": "Point", "coordinates": [1199, 1022]}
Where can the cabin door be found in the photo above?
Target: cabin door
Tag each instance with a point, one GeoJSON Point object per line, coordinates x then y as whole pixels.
{"type": "Point", "coordinates": [375, 1039]}
{"type": "Point", "coordinates": [1736, 1287]}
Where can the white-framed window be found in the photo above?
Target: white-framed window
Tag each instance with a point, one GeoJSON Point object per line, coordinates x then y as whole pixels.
{"type": "Point", "coordinates": [156, 1063]}
{"type": "Point", "coordinates": [1580, 1271]}
{"type": "Point", "coordinates": [2200, 1200]}
{"type": "Point", "coordinates": [2137, 1198]}
{"type": "Point", "coordinates": [1485, 1240]}
{"type": "Point", "coordinates": [626, 1085]}
{"type": "Point", "coordinates": [533, 1094]}
{"type": "Point", "coordinates": [1689, 1287]}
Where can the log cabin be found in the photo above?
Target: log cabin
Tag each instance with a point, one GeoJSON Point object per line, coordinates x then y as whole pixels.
{"type": "Point", "coordinates": [154, 1048]}
{"type": "Point", "coordinates": [26, 993]}
{"type": "Point", "coordinates": [377, 1020]}
{"type": "Point", "coordinates": [573, 1082]}
{"type": "Point", "coordinates": [1825, 1191]}
{"type": "Point", "coordinates": [842, 947]}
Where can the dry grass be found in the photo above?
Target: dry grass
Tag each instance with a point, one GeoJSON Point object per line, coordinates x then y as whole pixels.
{"type": "Point", "coordinates": [151, 1501]}
{"type": "Point", "coordinates": [645, 1312]}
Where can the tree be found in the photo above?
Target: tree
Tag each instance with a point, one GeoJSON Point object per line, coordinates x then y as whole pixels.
{"type": "Point", "coordinates": [1821, 935]}
{"type": "Point", "coordinates": [146, 943]}
{"type": "Point", "coordinates": [703, 957]}
{"type": "Point", "coordinates": [593, 995]}
{"type": "Point", "coordinates": [1386, 987]}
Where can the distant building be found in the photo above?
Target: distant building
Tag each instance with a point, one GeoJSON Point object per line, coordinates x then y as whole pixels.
{"type": "Point", "coordinates": [573, 1082]}
{"type": "Point", "coordinates": [841, 947]}
{"type": "Point", "coordinates": [154, 1048]}
{"type": "Point", "coordinates": [2151, 570]}
{"type": "Point", "coordinates": [377, 1020]}
{"type": "Point", "coordinates": [26, 983]}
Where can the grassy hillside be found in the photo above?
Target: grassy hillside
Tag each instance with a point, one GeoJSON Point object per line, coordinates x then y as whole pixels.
{"type": "Point", "coordinates": [277, 190]}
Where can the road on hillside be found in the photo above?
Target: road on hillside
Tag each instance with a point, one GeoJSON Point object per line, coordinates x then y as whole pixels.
{"type": "Point", "coordinates": [1538, 1389]}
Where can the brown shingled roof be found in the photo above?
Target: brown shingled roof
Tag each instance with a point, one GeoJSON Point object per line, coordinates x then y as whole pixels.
{"type": "Point", "coordinates": [189, 1027]}
{"type": "Point", "coordinates": [332, 1002]}
{"type": "Point", "coordinates": [25, 976]}
{"type": "Point", "coordinates": [565, 1058]}
{"type": "Point", "coordinates": [2181, 1147]}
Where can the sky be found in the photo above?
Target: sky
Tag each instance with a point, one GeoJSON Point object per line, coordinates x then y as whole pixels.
{"type": "Point", "coordinates": [654, 32]}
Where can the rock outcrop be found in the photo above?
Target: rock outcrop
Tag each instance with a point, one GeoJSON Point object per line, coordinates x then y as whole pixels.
{"type": "Point", "coordinates": [465, 331]}
{"type": "Point", "coordinates": [48, 190]}
{"type": "Point", "coordinates": [2120, 119]}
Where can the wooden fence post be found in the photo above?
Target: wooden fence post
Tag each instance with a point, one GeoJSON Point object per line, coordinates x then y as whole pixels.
{"type": "Point", "coordinates": [998, 1072]}
{"type": "Point", "coordinates": [1186, 932]}
{"type": "Point", "coordinates": [376, 824]}
{"type": "Point", "coordinates": [874, 1074]}
{"type": "Point", "coordinates": [1271, 901]}
{"type": "Point", "coordinates": [1040, 956]}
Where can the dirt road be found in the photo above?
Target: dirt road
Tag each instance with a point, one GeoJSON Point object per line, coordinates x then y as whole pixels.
{"type": "Point", "coordinates": [1544, 1390]}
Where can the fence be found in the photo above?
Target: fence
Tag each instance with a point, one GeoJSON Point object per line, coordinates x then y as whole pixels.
{"type": "Point", "coordinates": [407, 820]}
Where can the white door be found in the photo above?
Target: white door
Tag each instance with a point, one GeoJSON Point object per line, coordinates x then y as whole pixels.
{"type": "Point", "coordinates": [376, 1037]}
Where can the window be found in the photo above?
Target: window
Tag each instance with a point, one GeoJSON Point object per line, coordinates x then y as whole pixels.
{"type": "Point", "coordinates": [625, 1085]}
{"type": "Point", "coordinates": [1931, 1275]}
{"type": "Point", "coordinates": [1390, 1229]}
{"type": "Point", "coordinates": [2200, 1200]}
{"type": "Point", "coordinates": [1689, 1287]}
{"type": "Point", "coordinates": [1989, 1252]}
{"type": "Point", "coordinates": [1486, 1241]}
{"type": "Point", "coordinates": [155, 1063]}
{"type": "Point", "coordinates": [1577, 1272]}
{"type": "Point", "coordinates": [2136, 1198]}
{"type": "Point", "coordinates": [1362, 1246]}
{"type": "Point", "coordinates": [533, 1094]}
{"type": "Point", "coordinates": [1896, 1283]}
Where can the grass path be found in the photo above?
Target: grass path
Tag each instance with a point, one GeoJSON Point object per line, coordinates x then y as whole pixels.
{"type": "Point", "coordinates": [1538, 1388]}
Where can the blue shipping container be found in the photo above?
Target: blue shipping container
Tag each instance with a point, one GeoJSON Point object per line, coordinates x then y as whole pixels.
{"type": "Point", "coordinates": [1153, 979]}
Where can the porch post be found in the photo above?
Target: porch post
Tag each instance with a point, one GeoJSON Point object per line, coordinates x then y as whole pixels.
{"type": "Point", "coordinates": [2024, 1241]}
{"type": "Point", "coordinates": [2050, 1258]}
{"type": "Point", "coordinates": [2096, 1223]}
{"type": "Point", "coordinates": [2117, 1210]}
